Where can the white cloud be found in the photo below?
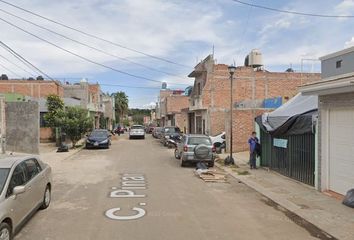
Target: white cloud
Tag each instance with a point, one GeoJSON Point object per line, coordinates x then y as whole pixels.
{"type": "Point", "coordinates": [349, 43]}
{"type": "Point", "coordinates": [345, 7]}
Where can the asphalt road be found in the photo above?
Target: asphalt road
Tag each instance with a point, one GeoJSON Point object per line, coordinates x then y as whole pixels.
{"type": "Point", "coordinates": [177, 205]}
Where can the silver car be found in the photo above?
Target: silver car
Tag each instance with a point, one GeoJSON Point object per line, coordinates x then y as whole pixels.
{"type": "Point", "coordinates": [25, 186]}
{"type": "Point", "coordinates": [194, 148]}
{"type": "Point", "coordinates": [137, 131]}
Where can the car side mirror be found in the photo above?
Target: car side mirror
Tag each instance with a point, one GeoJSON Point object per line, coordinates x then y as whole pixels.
{"type": "Point", "coordinates": [19, 190]}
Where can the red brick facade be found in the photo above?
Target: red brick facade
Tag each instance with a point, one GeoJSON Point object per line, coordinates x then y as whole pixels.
{"type": "Point", "coordinates": [32, 88]}
{"type": "Point", "coordinates": [210, 99]}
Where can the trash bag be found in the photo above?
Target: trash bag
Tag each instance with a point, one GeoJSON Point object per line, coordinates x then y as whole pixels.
{"type": "Point", "coordinates": [201, 165]}
{"type": "Point", "coordinates": [349, 199]}
{"type": "Point", "coordinates": [229, 161]}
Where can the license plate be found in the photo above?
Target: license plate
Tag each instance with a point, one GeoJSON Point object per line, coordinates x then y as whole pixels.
{"type": "Point", "coordinates": [95, 144]}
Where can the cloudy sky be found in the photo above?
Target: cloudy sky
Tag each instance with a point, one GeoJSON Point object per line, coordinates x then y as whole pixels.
{"type": "Point", "coordinates": [181, 31]}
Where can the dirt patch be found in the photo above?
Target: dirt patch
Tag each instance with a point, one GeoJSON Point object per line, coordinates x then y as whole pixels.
{"type": "Point", "coordinates": [312, 229]}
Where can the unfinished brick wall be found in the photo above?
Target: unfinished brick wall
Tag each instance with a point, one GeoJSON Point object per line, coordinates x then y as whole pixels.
{"type": "Point", "coordinates": [175, 103]}
{"type": "Point", "coordinates": [247, 85]}
{"type": "Point", "coordinates": [32, 88]}
{"type": "Point", "coordinates": [250, 84]}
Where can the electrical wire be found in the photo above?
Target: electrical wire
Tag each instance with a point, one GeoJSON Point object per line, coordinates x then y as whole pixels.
{"type": "Point", "coordinates": [125, 86]}
{"type": "Point", "coordinates": [8, 69]}
{"type": "Point", "coordinates": [95, 37]}
{"type": "Point", "coordinates": [291, 12]}
{"type": "Point", "coordinates": [20, 59]}
{"type": "Point", "coordinates": [7, 48]}
{"type": "Point", "coordinates": [90, 46]}
{"type": "Point", "coordinates": [14, 64]}
{"type": "Point", "coordinates": [82, 57]}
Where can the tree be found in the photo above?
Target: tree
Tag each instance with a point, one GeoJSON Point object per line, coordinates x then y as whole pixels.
{"type": "Point", "coordinates": [121, 105]}
{"type": "Point", "coordinates": [54, 104]}
{"type": "Point", "coordinates": [74, 122]}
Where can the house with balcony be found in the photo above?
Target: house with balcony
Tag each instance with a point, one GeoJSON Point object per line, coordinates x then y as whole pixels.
{"type": "Point", "coordinates": [169, 108]}
{"type": "Point", "coordinates": [254, 89]}
{"type": "Point", "coordinates": [90, 97]}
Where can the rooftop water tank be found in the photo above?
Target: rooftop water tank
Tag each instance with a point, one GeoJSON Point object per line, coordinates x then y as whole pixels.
{"type": "Point", "coordinates": [255, 58]}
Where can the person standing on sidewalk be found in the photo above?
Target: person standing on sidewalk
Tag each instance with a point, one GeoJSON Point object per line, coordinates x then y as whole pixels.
{"type": "Point", "coordinates": [253, 141]}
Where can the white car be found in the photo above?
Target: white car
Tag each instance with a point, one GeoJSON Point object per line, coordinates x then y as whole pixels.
{"type": "Point", "coordinates": [220, 138]}
{"type": "Point", "coordinates": [137, 131]}
{"type": "Point", "coordinates": [219, 142]}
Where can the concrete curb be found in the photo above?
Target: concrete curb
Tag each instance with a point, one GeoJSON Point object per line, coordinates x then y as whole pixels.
{"type": "Point", "coordinates": [290, 206]}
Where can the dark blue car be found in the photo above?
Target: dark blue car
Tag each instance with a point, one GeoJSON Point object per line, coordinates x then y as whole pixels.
{"type": "Point", "coordinates": [99, 138]}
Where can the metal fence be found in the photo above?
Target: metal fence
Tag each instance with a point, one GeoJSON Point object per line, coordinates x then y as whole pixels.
{"type": "Point", "coordinates": [292, 156]}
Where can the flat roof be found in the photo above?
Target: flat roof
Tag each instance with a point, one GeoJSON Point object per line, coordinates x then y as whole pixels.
{"type": "Point", "coordinates": [336, 54]}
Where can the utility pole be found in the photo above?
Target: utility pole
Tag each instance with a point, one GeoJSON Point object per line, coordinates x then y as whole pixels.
{"type": "Point", "coordinates": [232, 70]}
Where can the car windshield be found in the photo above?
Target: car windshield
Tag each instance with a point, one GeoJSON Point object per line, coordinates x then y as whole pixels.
{"type": "Point", "coordinates": [198, 140]}
{"type": "Point", "coordinates": [99, 134]}
{"type": "Point", "coordinates": [172, 130]}
{"type": "Point", "coordinates": [137, 127]}
{"type": "Point", "coordinates": [3, 176]}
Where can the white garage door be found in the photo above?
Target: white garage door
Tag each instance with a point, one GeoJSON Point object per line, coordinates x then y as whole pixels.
{"type": "Point", "coordinates": [341, 152]}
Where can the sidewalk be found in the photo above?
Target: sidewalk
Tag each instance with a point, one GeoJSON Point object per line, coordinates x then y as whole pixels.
{"type": "Point", "coordinates": [326, 213]}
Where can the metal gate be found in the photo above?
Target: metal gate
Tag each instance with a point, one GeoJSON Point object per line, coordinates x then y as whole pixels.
{"type": "Point", "coordinates": [292, 156]}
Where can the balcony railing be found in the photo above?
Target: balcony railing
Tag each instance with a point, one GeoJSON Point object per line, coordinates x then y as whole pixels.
{"type": "Point", "coordinates": [196, 103]}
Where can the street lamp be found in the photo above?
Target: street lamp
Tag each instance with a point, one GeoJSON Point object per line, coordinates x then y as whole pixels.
{"type": "Point", "coordinates": [232, 70]}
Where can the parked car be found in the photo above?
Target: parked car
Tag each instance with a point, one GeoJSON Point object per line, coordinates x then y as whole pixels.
{"type": "Point", "coordinates": [168, 132]}
{"type": "Point", "coordinates": [194, 148]}
{"type": "Point", "coordinates": [219, 141]}
{"type": "Point", "coordinates": [137, 131]}
{"type": "Point", "coordinates": [98, 138]}
{"type": "Point", "coordinates": [156, 132]}
{"type": "Point", "coordinates": [25, 187]}
{"type": "Point", "coordinates": [119, 130]}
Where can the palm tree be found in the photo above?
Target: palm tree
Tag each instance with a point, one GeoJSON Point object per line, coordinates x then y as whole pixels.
{"type": "Point", "coordinates": [121, 105]}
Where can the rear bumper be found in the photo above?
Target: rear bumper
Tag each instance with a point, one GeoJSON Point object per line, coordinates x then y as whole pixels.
{"type": "Point", "coordinates": [192, 158]}
{"type": "Point", "coordinates": [136, 135]}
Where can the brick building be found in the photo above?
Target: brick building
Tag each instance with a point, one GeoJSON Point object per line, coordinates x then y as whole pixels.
{"type": "Point", "coordinates": [170, 108]}
{"type": "Point", "coordinates": [32, 88]}
{"type": "Point", "coordinates": [209, 103]}
{"type": "Point", "coordinates": [91, 98]}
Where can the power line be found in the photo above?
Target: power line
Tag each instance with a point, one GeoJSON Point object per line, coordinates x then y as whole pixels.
{"type": "Point", "coordinates": [125, 86]}
{"type": "Point", "coordinates": [8, 69]}
{"type": "Point", "coordinates": [20, 58]}
{"type": "Point", "coordinates": [292, 12]}
{"type": "Point", "coordinates": [95, 37]}
{"type": "Point", "coordinates": [82, 57]}
{"type": "Point", "coordinates": [14, 64]}
{"type": "Point", "coordinates": [90, 46]}
{"type": "Point", "coordinates": [7, 48]}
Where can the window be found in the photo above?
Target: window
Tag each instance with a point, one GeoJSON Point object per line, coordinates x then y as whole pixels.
{"type": "Point", "coordinates": [339, 64]}
{"type": "Point", "coordinates": [199, 140]}
{"type": "Point", "coordinates": [32, 168]}
{"type": "Point", "coordinates": [199, 89]}
{"type": "Point", "coordinates": [3, 177]}
{"type": "Point", "coordinates": [18, 178]}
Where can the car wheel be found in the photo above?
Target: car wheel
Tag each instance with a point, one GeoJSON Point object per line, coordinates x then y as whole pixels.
{"type": "Point", "coordinates": [46, 198]}
{"type": "Point", "coordinates": [177, 156]}
{"type": "Point", "coordinates": [5, 231]}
